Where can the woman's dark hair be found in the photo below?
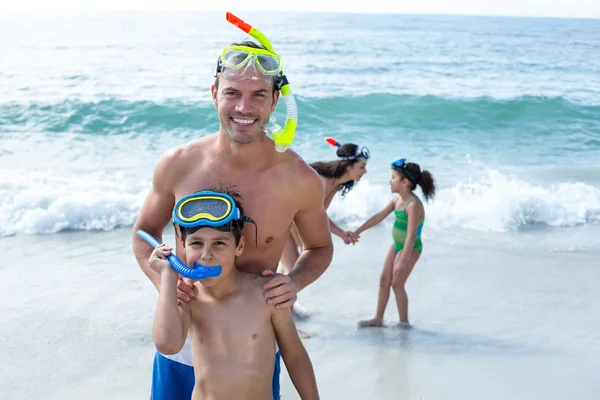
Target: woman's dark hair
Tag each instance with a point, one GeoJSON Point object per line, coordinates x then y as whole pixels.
{"type": "Point", "coordinates": [337, 168]}
{"type": "Point", "coordinates": [236, 225]}
{"type": "Point", "coordinates": [413, 173]}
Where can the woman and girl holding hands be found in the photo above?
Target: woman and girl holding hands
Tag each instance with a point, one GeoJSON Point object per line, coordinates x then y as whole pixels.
{"type": "Point", "coordinates": [340, 176]}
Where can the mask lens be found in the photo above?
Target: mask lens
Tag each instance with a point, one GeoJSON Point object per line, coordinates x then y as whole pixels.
{"type": "Point", "coordinates": [213, 209]}
{"type": "Point", "coordinates": [365, 153]}
{"type": "Point", "coordinates": [269, 64]}
{"type": "Point", "coordinates": [236, 58]}
{"type": "Point", "coordinates": [399, 163]}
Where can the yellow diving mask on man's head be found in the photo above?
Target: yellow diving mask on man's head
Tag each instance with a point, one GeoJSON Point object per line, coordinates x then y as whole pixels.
{"type": "Point", "coordinates": [238, 60]}
{"type": "Point", "coordinates": [253, 62]}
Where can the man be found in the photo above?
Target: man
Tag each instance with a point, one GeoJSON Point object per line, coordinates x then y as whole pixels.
{"type": "Point", "coordinates": [277, 188]}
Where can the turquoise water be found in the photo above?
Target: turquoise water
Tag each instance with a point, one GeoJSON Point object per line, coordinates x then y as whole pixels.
{"type": "Point", "coordinates": [504, 111]}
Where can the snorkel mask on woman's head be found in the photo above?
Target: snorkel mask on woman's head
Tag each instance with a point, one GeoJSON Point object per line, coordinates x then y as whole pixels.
{"type": "Point", "coordinates": [237, 60]}
{"type": "Point", "coordinates": [400, 166]}
{"type": "Point", "coordinates": [361, 152]}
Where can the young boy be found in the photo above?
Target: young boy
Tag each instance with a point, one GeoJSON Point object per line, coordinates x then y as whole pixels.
{"type": "Point", "coordinates": [233, 332]}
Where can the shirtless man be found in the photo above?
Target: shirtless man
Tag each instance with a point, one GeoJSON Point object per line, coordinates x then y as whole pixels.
{"type": "Point", "coordinates": [277, 188]}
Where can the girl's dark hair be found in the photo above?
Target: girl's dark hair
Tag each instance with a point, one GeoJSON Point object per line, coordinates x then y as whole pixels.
{"type": "Point", "coordinates": [236, 225]}
{"type": "Point", "coordinates": [413, 173]}
{"type": "Point", "coordinates": [337, 168]}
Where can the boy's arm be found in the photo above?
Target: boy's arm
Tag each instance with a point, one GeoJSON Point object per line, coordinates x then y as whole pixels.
{"type": "Point", "coordinates": [171, 322]}
{"type": "Point", "coordinates": [294, 354]}
{"type": "Point", "coordinates": [377, 218]}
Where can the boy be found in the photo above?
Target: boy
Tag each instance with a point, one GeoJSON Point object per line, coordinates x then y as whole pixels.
{"type": "Point", "coordinates": [232, 331]}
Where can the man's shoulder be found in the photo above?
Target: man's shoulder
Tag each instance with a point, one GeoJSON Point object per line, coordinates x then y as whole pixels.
{"type": "Point", "coordinates": [194, 148]}
{"type": "Point", "coordinates": [298, 169]}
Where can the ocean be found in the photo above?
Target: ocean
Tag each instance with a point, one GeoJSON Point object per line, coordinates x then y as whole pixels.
{"type": "Point", "coordinates": [504, 112]}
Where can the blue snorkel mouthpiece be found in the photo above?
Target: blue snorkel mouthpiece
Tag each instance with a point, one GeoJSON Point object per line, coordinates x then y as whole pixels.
{"type": "Point", "coordinates": [196, 273]}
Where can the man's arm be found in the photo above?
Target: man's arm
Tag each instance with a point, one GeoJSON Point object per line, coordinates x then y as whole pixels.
{"type": "Point", "coordinates": [155, 214]}
{"type": "Point", "coordinates": [294, 354]}
{"type": "Point", "coordinates": [313, 226]}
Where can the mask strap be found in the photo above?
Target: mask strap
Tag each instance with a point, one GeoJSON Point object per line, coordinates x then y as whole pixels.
{"type": "Point", "coordinates": [248, 219]}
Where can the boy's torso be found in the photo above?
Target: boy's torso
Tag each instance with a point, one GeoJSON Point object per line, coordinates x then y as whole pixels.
{"type": "Point", "coordinates": [233, 343]}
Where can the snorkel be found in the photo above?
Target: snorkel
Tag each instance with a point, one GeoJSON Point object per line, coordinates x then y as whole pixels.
{"type": "Point", "coordinates": [196, 273]}
{"type": "Point", "coordinates": [283, 138]}
{"type": "Point", "coordinates": [361, 152]}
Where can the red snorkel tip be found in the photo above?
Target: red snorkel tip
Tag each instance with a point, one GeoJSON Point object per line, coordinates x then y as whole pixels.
{"type": "Point", "coordinates": [332, 142]}
{"type": "Point", "coordinates": [238, 22]}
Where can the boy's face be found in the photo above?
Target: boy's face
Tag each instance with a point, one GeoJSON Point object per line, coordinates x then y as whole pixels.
{"type": "Point", "coordinates": [210, 247]}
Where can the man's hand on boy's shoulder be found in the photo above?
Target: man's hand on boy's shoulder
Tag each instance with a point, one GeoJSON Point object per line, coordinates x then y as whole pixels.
{"type": "Point", "coordinates": [185, 290]}
{"type": "Point", "coordinates": [280, 290]}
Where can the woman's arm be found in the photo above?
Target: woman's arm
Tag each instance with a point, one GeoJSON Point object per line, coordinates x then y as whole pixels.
{"type": "Point", "coordinates": [336, 230]}
{"type": "Point", "coordinates": [377, 218]}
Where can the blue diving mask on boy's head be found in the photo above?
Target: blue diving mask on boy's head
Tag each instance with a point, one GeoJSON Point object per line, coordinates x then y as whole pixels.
{"type": "Point", "coordinates": [210, 209]}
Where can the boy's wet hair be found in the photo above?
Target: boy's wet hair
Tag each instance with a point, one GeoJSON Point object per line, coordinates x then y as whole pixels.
{"type": "Point", "coordinates": [236, 225]}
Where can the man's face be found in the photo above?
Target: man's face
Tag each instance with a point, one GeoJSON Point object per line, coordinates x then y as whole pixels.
{"type": "Point", "coordinates": [244, 106]}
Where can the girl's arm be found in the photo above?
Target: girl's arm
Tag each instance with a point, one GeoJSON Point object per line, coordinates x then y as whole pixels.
{"type": "Point", "coordinates": [377, 218]}
{"type": "Point", "coordinates": [171, 322]}
{"type": "Point", "coordinates": [294, 354]}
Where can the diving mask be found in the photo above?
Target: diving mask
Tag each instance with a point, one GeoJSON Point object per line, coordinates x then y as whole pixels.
{"type": "Point", "coordinates": [361, 152]}
{"type": "Point", "coordinates": [237, 60]}
{"type": "Point", "coordinates": [210, 209]}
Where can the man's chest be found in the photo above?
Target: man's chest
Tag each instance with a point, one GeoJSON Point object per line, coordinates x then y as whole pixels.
{"type": "Point", "coordinates": [263, 200]}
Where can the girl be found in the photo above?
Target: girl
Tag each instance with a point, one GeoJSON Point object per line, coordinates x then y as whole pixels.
{"type": "Point", "coordinates": [404, 253]}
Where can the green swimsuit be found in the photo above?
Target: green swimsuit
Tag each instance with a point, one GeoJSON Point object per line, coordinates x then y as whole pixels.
{"type": "Point", "coordinates": [401, 227]}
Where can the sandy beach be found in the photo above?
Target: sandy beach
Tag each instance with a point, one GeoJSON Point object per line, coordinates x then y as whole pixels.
{"type": "Point", "coordinates": [77, 313]}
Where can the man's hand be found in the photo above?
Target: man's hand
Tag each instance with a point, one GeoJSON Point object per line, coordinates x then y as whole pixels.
{"type": "Point", "coordinates": [185, 290]}
{"type": "Point", "coordinates": [280, 291]}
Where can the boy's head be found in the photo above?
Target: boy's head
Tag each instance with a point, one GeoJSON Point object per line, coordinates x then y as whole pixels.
{"type": "Point", "coordinates": [211, 223]}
